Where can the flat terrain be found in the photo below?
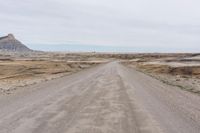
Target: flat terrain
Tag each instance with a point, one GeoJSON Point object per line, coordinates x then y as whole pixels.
{"type": "Point", "coordinates": [18, 70]}
{"type": "Point", "coordinates": [109, 98]}
{"type": "Point", "coordinates": [178, 70]}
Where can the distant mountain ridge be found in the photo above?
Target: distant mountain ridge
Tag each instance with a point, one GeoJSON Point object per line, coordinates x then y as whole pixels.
{"type": "Point", "coordinates": [9, 43]}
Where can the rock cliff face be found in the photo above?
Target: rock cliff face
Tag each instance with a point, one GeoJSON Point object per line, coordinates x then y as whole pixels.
{"type": "Point", "coordinates": [9, 43]}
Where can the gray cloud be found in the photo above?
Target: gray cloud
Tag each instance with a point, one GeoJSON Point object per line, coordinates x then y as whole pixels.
{"type": "Point", "coordinates": [136, 23]}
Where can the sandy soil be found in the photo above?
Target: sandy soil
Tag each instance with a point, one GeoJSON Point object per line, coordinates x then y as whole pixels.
{"type": "Point", "coordinates": [17, 71]}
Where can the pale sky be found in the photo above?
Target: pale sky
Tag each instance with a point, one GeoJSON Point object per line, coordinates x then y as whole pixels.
{"type": "Point", "coordinates": [165, 24]}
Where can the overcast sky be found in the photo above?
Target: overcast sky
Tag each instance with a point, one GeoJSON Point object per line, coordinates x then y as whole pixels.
{"type": "Point", "coordinates": [165, 24]}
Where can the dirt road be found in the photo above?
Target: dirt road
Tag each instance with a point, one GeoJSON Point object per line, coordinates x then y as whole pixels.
{"type": "Point", "coordinates": [106, 99]}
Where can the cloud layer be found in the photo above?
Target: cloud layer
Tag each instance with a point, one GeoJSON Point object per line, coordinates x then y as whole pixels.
{"type": "Point", "coordinates": [132, 23]}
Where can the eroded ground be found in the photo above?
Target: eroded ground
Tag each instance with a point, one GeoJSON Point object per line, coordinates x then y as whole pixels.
{"type": "Point", "coordinates": [182, 71]}
{"type": "Point", "coordinates": [22, 70]}
{"type": "Point", "coordinates": [107, 98]}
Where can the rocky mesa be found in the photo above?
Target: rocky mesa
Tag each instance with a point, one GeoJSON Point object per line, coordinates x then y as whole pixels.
{"type": "Point", "coordinates": [9, 43]}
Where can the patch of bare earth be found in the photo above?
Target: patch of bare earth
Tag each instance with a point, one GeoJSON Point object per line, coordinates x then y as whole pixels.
{"type": "Point", "coordinates": [177, 72]}
{"type": "Point", "coordinates": [15, 74]}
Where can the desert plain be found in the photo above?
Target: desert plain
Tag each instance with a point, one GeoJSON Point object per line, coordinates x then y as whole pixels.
{"type": "Point", "coordinates": [58, 92]}
{"type": "Point", "coordinates": [23, 69]}
{"type": "Point", "coordinates": [181, 70]}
